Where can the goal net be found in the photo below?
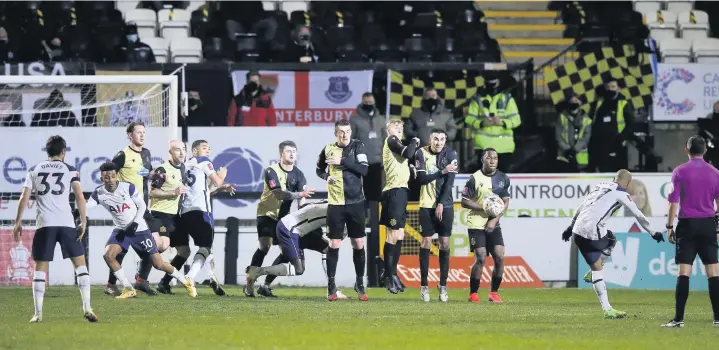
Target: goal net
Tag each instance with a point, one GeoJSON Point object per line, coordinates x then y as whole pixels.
{"type": "Point", "coordinates": [90, 113]}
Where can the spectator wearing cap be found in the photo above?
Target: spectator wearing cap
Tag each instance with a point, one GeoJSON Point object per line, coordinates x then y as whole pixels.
{"type": "Point", "coordinates": [252, 106]}
{"type": "Point", "coordinates": [133, 50]}
{"type": "Point", "coordinates": [572, 131]}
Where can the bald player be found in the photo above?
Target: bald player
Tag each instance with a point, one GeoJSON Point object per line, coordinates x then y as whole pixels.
{"type": "Point", "coordinates": [592, 238]}
{"type": "Point", "coordinates": [135, 164]}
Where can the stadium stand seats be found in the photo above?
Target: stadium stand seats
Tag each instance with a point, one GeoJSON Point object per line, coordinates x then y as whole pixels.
{"type": "Point", "coordinates": [160, 47]}
{"type": "Point", "coordinates": [693, 24]}
{"type": "Point", "coordinates": [706, 50]}
{"type": "Point", "coordinates": [186, 50]}
{"type": "Point", "coordinates": [675, 50]}
{"type": "Point", "coordinates": [146, 21]}
{"type": "Point", "coordinates": [174, 23]}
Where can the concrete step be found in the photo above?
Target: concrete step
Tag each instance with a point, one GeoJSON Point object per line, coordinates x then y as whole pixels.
{"type": "Point", "coordinates": [497, 30]}
{"type": "Point", "coordinates": [512, 5]}
{"type": "Point", "coordinates": [521, 17]}
{"type": "Point", "coordinates": [539, 56]}
{"type": "Point", "coordinates": [534, 44]}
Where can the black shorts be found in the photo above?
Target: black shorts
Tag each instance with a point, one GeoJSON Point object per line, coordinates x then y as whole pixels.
{"type": "Point", "coordinates": [267, 227]}
{"type": "Point", "coordinates": [313, 242]}
{"type": "Point", "coordinates": [592, 250]}
{"type": "Point", "coordinates": [45, 239]}
{"type": "Point", "coordinates": [196, 224]}
{"type": "Point", "coordinates": [483, 239]}
{"type": "Point", "coordinates": [162, 223]}
{"type": "Point", "coordinates": [429, 224]}
{"type": "Point", "coordinates": [350, 215]}
{"type": "Point", "coordinates": [394, 208]}
{"type": "Point", "coordinates": [696, 237]}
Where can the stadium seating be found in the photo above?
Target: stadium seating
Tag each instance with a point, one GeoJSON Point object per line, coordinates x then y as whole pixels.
{"type": "Point", "coordinates": [706, 50]}
{"type": "Point", "coordinates": [146, 21]}
{"type": "Point", "coordinates": [662, 24]}
{"type": "Point", "coordinates": [174, 23]}
{"type": "Point", "coordinates": [186, 50]}
{"type": "Point", "coordinates": [693, 24]}
{"type": "Point", "coordinates": [160, 47]}
{"type": "Point", "coordinates": [675, 50]}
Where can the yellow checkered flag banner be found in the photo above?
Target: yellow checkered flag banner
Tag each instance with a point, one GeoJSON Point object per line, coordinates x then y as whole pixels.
{"type": "Point", "coordinates": [405, 92]}
{"type": "Point", "coordinates": [631, 69]}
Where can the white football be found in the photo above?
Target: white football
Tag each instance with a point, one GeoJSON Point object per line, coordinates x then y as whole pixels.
{"type": "Point", "coordinates": [493, 205]}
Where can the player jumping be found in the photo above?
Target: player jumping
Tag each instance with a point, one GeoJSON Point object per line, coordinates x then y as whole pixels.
{"type": "Point", "coordinates": [127, 208]}
{"type": "Point", "coordinates": [484, 231]}
{"type": "Point", "coordinates": [52, 180]}
{"type": "Point", "coordinates": [592, 238]}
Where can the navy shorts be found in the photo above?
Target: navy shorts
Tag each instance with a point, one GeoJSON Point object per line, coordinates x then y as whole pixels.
{"type": "Point", "coordinates": [196, 224]}
{"type": "Point", "coordinates": [289, 243]}
{"type": "Point", "coordinates": [43, 243]}
{"type": "Point", "coordinates": [592, 250]}
{"type": "Point", "coordinates": [141, 242]}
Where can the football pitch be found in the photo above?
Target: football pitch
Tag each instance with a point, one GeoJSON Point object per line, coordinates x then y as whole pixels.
{"type": "Point", "coordinates": [301, 318]}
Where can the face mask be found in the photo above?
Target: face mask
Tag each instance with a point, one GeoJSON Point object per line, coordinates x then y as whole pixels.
{"type": "Point", "coordinates": [195, 103]}
{"type": "Point", "coordinates": [573, 106]}
{"type": "Point", "coordinates": [4, 40]}
{"type": "Point", "coordinates": [611, 94]}
{"type": "Point", "coordinates": [251, 86]}
{"type": "Point", "coordinates": [430, 104]}
{"type": "Point", "coordinates": [132, 38]}
{"type": "Point", "coordinates": [368, 108]}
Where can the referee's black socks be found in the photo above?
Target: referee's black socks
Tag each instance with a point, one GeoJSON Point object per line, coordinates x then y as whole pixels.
{"type": "Point", "coordinates": [423, 265]}
{"type": "Point", "coordinates": [714, 295]}
{"type": "Point", "coordinates": [681, 295]}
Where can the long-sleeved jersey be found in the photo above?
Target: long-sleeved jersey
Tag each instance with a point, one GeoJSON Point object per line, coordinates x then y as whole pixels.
{"type": "Point", "coordinates": [601, 202]}
{"type": "Point", "coordinates": [308, 219]}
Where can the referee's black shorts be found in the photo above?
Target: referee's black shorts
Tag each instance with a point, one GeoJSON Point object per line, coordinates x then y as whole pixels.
{"type": "Point", "coordinates": [696, 236]}
{"type": "Point", "coordinates": [394, 208]}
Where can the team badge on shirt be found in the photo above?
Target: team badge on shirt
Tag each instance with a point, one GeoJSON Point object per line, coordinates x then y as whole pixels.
{"type": "Point", "coordinates": [392, 222]}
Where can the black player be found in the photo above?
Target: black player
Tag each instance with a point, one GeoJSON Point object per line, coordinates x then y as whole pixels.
{"type": "Point", "coordinates": [484, 231]}
{"type": "Point", "coordinates": [436, 165]}
{"type": "Point", "coordinates": [342, 164]}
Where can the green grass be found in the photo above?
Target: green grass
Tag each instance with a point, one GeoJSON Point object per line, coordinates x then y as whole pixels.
{"type": "Point", "coordinates": [303, 319]}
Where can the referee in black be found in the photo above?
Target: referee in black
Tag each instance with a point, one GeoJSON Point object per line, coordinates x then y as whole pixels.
{"type": "Point", "coordinates": [695, 190]}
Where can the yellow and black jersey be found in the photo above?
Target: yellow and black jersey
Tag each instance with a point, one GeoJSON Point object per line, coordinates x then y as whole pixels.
{"type": "Point", "coordinates": [134, 168]}
{"type": "Point", "coordinates": [276, 177]}
{"type": "Point", "coordinates": [480, 185]}
{"type": "Point", "coordinates": [395, 161]}
{"type": "Point", "coordinates": [436, 187]}
{"type": "Point", "coordinates": [347, 188]}
{"type": "Point", "coordinates": [174, 178]}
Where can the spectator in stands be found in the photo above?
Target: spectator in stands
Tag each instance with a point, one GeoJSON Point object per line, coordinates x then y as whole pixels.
{"type": "Point", "coordinates": [197, 115]}
{"type": "Point", "coordinates": [302, 49]}
{"type": "Point", "coordinates": [369, 126]}
{"type": "Point", "coordinates": [432, 115]}
{"type": "Point", "coordinates": [613, 125]}
{"type": "Point", "coordinates": [572, 131]}
{"type": "Point", "coordinates": [252, 106]}
{"type": "Point", "coordinates": [493, 116]}
{"type": "Point", "coordinates": [133, 50]}
{"type": "Point", "coordinates": [63, 117]}
{"type": "Point", "coordinates": [7, 49]}
{"type": "Point", "coordinates": [715, 112]}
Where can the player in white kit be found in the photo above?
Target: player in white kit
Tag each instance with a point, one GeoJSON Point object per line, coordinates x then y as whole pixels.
{"type": "Point", "coordinates": [594, 241]}
{"type": "Point", "coordinates": [52, 181]}
{"type": "Point", "coordinates": [127, 207]}
{"type": "Point", "coordinates": [195, 211]}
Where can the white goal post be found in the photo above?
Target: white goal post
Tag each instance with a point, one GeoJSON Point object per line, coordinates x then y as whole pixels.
{"type": "Point", "coordinates": [169, 95]}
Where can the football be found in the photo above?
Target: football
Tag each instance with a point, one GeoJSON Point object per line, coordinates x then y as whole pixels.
{"type": "Point", "coordinates": [493, 205]}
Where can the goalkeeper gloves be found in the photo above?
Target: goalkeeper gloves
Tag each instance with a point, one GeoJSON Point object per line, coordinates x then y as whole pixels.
{"type": "Point", "coordinates": [130, 229]}
{"type": "Point", "coordinates": [658, 236]}
{"type": "Point", "coordinates": [567, 234]}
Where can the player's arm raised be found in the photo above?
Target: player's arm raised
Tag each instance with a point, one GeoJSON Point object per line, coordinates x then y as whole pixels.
{"type": "Point", "coordinates": [273, 183]}
{"type": "Point", "coordinates": [81, 207]}
{"type": "Point", "coordinates": [396, 146]}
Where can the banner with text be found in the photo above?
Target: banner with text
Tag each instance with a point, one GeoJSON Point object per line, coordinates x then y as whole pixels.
{"type": "Point", "coordinates": [685, 92]}
{"type": "Point", "coordinates": [309, 98]}
{"type": "Point", "coordinates": [639, 262]}
{"type": "Point", "coordinates": [558, 195]}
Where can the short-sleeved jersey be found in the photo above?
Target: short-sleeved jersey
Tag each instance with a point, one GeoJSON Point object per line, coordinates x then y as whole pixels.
{"type": "Point", "coordinates": [52, 183]}
{"type": "Point", "coordinates": [431, 194]}
{"type": "Point", "coordinates": [134, 168]}
{"type": "Point", "coordinates": [174, 178]}
{"type": "Point", "coordinates": [197, 197]}
{"type": "Point", "coordinates": [695, 186]}
{"type": "Point", "coordinates": [275, 177]}
{"type": "Point", "coordinates": [121, 204]}
{"type": "Point", "coordinates": [396, 166]}
{"type": "Point", "coordinates": [307, 219]}
{"type": "Point", "coordinates": [347, 188]}
{"type": "Point", "coordinates": [479, 185]}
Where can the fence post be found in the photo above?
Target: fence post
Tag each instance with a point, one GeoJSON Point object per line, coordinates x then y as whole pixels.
{"type": "Point", "coordinates": [373, 245]}
{"type": "Point", "coordinates": [231, 249]}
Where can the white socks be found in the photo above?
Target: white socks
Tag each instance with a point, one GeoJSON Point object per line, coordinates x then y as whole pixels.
{"type": "Point", "coordinates": [120, 274]}
{"type": "Point", "coordinates": [601, 289]}
{"type": "Point", "coordinates": [324, 263]}
{"type": "Point", "coordinates": [38, 290]}
{"type": "Point", "coordinates": [196, 266]}
{"type": "Point", "coordinates": [210, 264]}
{"type": "Point", "coordinates": [178, 275]}
{"type": "Point", "coordinates": [83, 281]}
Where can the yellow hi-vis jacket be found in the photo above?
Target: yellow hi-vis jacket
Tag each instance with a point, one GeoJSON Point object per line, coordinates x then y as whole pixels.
{"type": "Point", "coordinates": [620, 113]}
{"type": "Point", "coordinates": [573, 132]}
{"type": "Point", "coordinates": [499, 137]}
